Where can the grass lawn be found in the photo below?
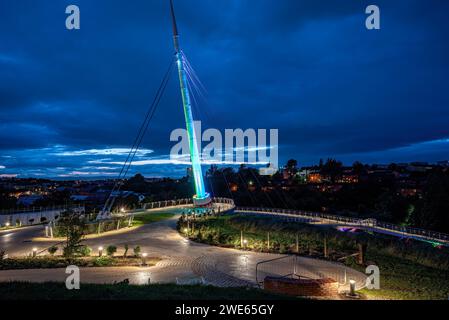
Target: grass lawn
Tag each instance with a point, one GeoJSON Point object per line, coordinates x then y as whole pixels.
{"type": "Point", "coordinates": [408, 270]}
{"type": "Point", "coordinates": [402, 279]}
{"type": "Point", "coordinates": [58, 291]}
{"type": "Point", "coordinates": [148, 218]}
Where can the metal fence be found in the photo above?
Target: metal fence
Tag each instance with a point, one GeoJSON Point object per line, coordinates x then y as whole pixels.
{"type": "Point", "coordinates": [181, 202]}
{"type": "Point", "coordinates": [372, 224]}
{"type": "Point", "coordinates": [283, 267]}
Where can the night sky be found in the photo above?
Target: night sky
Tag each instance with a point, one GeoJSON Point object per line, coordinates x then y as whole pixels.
{"type": "Point", "coordinates": [71, 102]}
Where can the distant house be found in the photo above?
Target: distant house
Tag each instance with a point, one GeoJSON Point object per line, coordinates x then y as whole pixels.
{"type": "Point", "coordinates": [409, 192]}
{"type": "Point", "coordinates": [315, 178]}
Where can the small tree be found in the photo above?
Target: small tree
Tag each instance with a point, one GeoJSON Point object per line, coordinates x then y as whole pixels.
{"type": "Point", "coordinates": [84, 251]}
{"type": "Point", "coordinates": [137, 251]}
{"type": "Point", "coordinates": [110, 250]}
{"type": "Point", "coordinates": [2, 254]}
{"type": "Point", "coordinates": [52, 250]}
{"type": "Point", "coordinates": [72, 226]}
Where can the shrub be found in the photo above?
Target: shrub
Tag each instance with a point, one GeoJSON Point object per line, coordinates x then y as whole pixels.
{"type": "Point", "coordinates": [84, 251]}
{"type": "Point", "coordinates": [110, 250]}
{"type": "Point", "coordinates": [52, 250]}
{"type": "Point", "coordinates": [137, 251]}
{"type": "Point", "coordinates": [102, 262]}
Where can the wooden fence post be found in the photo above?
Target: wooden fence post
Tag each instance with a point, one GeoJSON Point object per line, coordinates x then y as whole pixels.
{"type": "Point", "coordinates": [326, 252]}
{"type": "Point", "coordinates": [362, 251]}
{"type": "Point", "coordinates": [268, 241]}
{"type": "Point", "coordinates": [297, 243]}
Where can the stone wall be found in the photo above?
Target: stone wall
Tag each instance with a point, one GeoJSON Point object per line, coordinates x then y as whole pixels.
{"type": "Point", "coordinates": [302, 287]}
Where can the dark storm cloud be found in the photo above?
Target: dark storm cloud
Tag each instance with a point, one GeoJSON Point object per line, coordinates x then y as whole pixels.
{"type": "Point", "coordinates": [309, 68]}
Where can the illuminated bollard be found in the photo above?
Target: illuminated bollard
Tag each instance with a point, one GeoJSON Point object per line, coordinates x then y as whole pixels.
{"type": "Point", "coordinates": [352, 288]}
{"type": "Point", "coordinates": [100, 251]}
{"type": "Point", "coordinates": [144, 258]}
{"type": "Point", "coordinates": [34, 252]}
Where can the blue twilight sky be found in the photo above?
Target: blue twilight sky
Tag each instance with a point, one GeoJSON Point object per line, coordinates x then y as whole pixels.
{"type": "Point", "coordinates": [71, 101]}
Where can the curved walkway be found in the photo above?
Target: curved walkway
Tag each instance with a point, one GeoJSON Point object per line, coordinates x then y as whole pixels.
{"type": "Point", "coordinates": [183, 261]}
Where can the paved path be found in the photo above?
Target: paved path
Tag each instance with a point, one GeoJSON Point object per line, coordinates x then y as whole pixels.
{"type": "Point", "coordinates": [183, 261]}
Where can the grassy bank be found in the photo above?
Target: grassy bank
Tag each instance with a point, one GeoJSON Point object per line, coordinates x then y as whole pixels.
{"type": "Point", "coordinates": [408, 269]}
{"type": "Point", "coordinates": [148, 218]}
{"type": "Point", "coordinates": [99, 227]}
{"type": "Point", "coordinates": [58, 291]}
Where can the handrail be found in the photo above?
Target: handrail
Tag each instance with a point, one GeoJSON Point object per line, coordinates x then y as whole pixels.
{"type": "Point", "coordinates": [178, 202]}
{"type": "Point", "coordinates": [371, 223]}
{"type": "Point", "coordinates": [268, 261]}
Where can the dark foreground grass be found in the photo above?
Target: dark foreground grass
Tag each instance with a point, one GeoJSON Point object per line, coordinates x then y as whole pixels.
{"type": "Point", "coordinates": [148, 218]}
{"type": "Point", "coordinates": [58, 291]}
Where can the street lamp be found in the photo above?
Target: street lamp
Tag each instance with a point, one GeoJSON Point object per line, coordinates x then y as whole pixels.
{"type": "Point", "coordinates": [100, 251]}
{"type": "Point", "coordinates": [144, 256]}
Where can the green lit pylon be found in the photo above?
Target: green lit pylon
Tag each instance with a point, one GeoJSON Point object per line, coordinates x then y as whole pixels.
{"type": "Point", "coordinates": [201, 197]}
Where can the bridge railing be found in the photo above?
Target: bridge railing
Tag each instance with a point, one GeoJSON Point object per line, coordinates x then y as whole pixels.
{"type": "Point", "coordinates": [372, 223]}
{"type": "Point", "coordinates": [428, 234]}
{"type": "Point", "coordinates": [180, 202]}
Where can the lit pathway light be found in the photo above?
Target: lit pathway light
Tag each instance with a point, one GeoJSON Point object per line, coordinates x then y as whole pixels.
{"type": "Point", "coordinates": [100, 251]}
{"type": "Point", "coordinates": [144, 258]}
{"type": "Point", "coordinates": [352, 288]}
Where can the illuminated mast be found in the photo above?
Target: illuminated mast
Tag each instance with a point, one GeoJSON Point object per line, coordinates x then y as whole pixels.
{"type": "Point", "coordinates": [201, 197]}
